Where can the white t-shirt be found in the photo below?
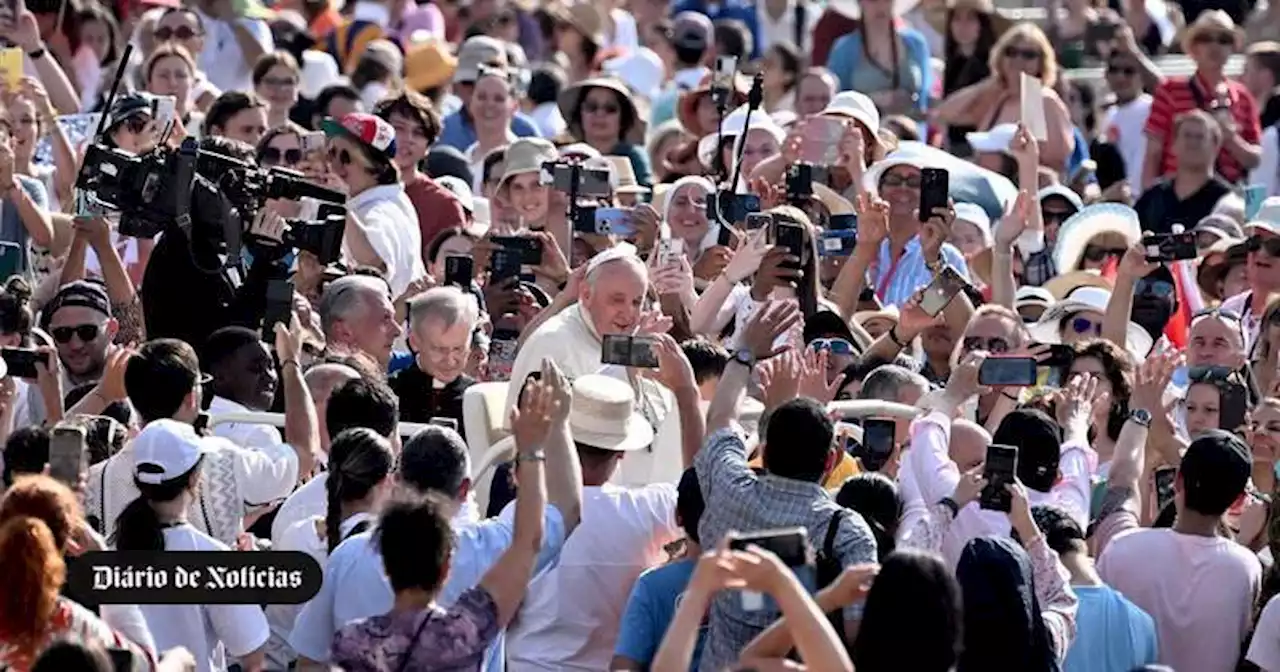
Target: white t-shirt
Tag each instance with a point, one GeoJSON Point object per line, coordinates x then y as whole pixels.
{"type": "Point", "coordinates": [570, 615]}
{"type": "Point", "coordinates": [222, 60]}
{"type": "Point", "coordinates": [212, 632]}
{"type": "Point", "coordinates": [306, 502]}
{"type": "Point", "coordinates": [1123, 125]}
{"type": "Point", "coordinates": [1268, 171]}
{"type": "Point", "coordinates": [1264, 650]}
{"type": "Point", "coordinates": [390, 222]}
{"type": "Point", "coordinates": [1199, 590]}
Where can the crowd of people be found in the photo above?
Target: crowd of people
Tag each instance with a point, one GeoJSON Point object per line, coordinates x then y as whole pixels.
{"type": "Point", "coordinates": [672, 336]}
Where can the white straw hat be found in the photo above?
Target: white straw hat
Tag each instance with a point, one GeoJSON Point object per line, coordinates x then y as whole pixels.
{"type": "Point", "coordinates": [603, 415]}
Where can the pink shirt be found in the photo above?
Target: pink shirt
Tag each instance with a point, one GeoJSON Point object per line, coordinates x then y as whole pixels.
{"type": "Point", "coordinates": [1199, 590]}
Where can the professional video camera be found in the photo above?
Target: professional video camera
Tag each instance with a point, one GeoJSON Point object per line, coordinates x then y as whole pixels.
{"type": "Point", "coordinates": [165, 186]}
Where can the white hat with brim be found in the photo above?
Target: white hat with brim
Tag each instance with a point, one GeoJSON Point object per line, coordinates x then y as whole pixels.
{"type": "Point", "coordinates": [1060, 191]}
{"type": "Point", "coordinates": [969, 181]}
{"type": "Point", "coordinates": [735, 125]}
{"type": "Point", "coordinates": [1088, 223]}
{"type": "Point", "coordinates": [1059, 286]}
{"type": "Point", "coordinates": [857, 106]}
{"type": "Point", "coordinates": [1268, 217]}
{"type": "Point", "coordinates": [526, 155]}
{"type": "Point", "coordinates": [1032, 296]}
{"type": "Point", "coordinates": [603, 415]}
{"type": "Point", "coordinates": [974, 214]}
{"type": "Point", "coordinates": [993, 141]}
{"type": "Point", "coordinates": [460, 189]}
{"type": "Point", "coordinates": [1048, 328]}
{"type": "Point", "coordinates": [641, 70]}
{"type": "Point", "coordinates": [166, 449]}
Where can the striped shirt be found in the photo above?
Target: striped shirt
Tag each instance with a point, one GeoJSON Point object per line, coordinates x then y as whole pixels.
{"type": "Point", "coordinates": [897, 280]}
{"type": "Point", "coordinates": [1177, 95]}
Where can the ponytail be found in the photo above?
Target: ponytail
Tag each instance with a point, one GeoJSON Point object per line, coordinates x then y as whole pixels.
{"type": "Point", "coordinates": [33, 571]}
{"type": "Point", "coordinates": [139, 527]}
{"type": "Point", "coordinates": [359, 459]}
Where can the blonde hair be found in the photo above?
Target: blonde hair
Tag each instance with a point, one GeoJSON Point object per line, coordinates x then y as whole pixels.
{"type": "Point", "coordinates": [1027, 32]}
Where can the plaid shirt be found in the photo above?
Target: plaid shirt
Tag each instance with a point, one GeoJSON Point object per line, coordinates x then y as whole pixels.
{"type": "Point", "coordinates": [1037, 269]}
{"type": "Point", "coordinates": [739, 499]}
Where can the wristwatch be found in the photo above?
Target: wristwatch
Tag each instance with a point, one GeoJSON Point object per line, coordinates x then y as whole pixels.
{"type": "Point", "coordinates": [744, 357]}
{"type": "Point", "coordinates": [1140, 417]}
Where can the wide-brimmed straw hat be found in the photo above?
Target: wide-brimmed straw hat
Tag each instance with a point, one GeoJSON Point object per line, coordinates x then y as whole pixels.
{"type": "Point", "coordinates": [1064, 283]}
{"type": "Point", "coordinates": [1214, 20]}
{"type": "Point", "coordinates": [572, 96]}
{"type": "Point", "coordinates": [1048, 329]}
{"type": "Point", "coordinates": [624, 176]}
{"type": "Point", "coordinates": [687, 105]}
{"type": "Point", "coordinates": [603, 415]}
{"type": "Point", "coordinates": [428, 64]}
{"type": "Point", "coordinates": [1090, 222]}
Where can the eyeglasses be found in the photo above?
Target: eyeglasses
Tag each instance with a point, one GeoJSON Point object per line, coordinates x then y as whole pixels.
{"type": "Point", "coordinates": [1096, 254]}
{"type": "Point", "coordinates": [995, 345]}
{"type": "Point", "coordinates": [594, 108]}
{"type": "Point", "coordinates": [1084, 325]}
{"type": "Point", "coordinates": [342, 156]}
{"type": "Point", "coordinates": [86, 333]}
{"type": "Point", "coordinates": [180, 33]}
{"type": "Point", "coordinates": [1224, 39]}
{"type": "Point", "coordinates": [1127, 71]}
{"type": "Point", "coordinates": [898, 180]}
{"type": "Point", "coordinates": [1271, 245]}
{"type": "Point", "coordinates": [1024, 54]}
{"type": "Point", "coordinates": [836, 346]}
{"type": "Point", "coordinates": [137, 124]}
{"type": "Point", "coordinates": [1162, 289]}
{"type": "Point", "coordinates": [274, 156]}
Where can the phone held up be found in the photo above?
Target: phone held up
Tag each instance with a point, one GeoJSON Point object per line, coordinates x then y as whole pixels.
{"type": "Point", "coordinates": [946, 284]}
{"type": "Point", "coordinates": [21, 362]}
{"type": "Point", "coordinates": [934, 191]}
{"type": "Point", "coordinates": [999, 470]}
{"type": "Point", "coordinates": [631, 351]}
{"type": "Point", "coordinates": [878, 440]}
{"type": "Point", "coordinates": [67, 453]}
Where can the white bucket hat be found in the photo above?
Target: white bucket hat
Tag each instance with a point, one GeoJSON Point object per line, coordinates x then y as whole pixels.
{"type": "Point", "coordinates": [1094, 299]}
{"type": "Point", "coordinates": [1267, 219]}
{"type": "Point", "coordinates": [856, 106]}
{"type": "Point", "coordinates": [735, 125]}
{"type": "Point", "coordinates": [1088, 223]}
{"type": "Point", "coordinates": [641, 70]}
{"type": "Point", "coordinates": [603, 415]}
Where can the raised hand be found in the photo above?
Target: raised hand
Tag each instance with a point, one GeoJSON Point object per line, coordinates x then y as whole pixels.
{"type": "Point", "coordinates": [560, 387]}
{"type": "Point", "coordinates": [780, 378]}
{"type": "Point", "coordinates": [1020, 511]}
{"type": "Point", "coordinates": [1134, 263]}
{"type": "Point", "coordinates": [970, 486]}
{"type": "Point", "coordinates": [873, 221]}
{"type": "Point", "coordinates": [674, 369]}
{"type": "Point", "coordinates": [963, 382]}
{"type": "Point", "coordinates": [1024, 147]}
{"type": "Point", "coordinates": [813, 379]}
{"type": "Point", "coordinates": [289, 340]}
{"type": "Point", "coordinates": [771, 320]}
{"type": "Point", "coordinates": [1075, 407]}
{"type": "Point", "coordinates": [111, 387]}
{"type": "Point", "coordinates": [853, 584]}
{"type": "Point", "coordinates": [531, 421]}
{"type": "Point", "coordinates": [746, 260]}
{"type": "Point", "coordinates": [936, 231]}
{"type": "Point", "coordinates": [1013, 224]}
{"type": "Point", "coordinates": [652, 322]}
{"type": "Point", "coordinates": [1152, 380]}
{"type": "Point", "coordinates": [912, 320]}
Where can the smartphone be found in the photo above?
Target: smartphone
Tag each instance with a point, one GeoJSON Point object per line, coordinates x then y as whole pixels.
{"type": "Point", "coordinates": [21, 362]}
{"type": "Point", "coordinates": [1171, 246]}
{"type": "Point", "coordinates": [1007, 371]}
{"type": "Point", "coordinates": [790, 544]}
{"type": "Point", "coordinates": [11, 65]}
{"type": "Point", "coordinates": [591, 181]}
{"type": "Point", "coordinates": [845, 222]}
{"type": "Point", "coordinates": [630, 351]}
{"type": "Point", "coordinates": [791, 237]}
{"type": "Point", "coordinates": [878, 440]}
{"type": "Point", "coordinates": [163, 109]}
{"type": "Point", "coordinates": [67, 453]}
{"type": "Point", "coordinates": [1164, 478]}
{"type": "Point", "coordinates": [279, 308]}
{"type": "Point", "coordinates": [312, 142]}
{"type": "Point", "coordinates": [999, 470]}
{"type": "Point", "coordinates": [1032, 107]}
{"type": "Point", "coordinates": [614, 222]}
{"type": "Point", "coordinates": [941, 291]}
{"type": "Point", "coordinates": [502, 353]}
{"type": "Point", "coordinates": [934, 191]}
{"type": "Point", "coordinates": [100, 438]}
{"type": "Point", "coordinates": [726, 68]}
{"type": "Point", "coordinates": [821, 142]}
{"type": "Point", "coordinates": [669, 251]}
{"type": "Point", "coordinates": [459, 270]}
{"type": "Point", "coordinates": [529, 248]}
{"type": "Point", "coordinates": [800, 179]}
{"type": "Point", "coordinates": [1233, 407]}
{"type": "Point", "coordinates": [504, 263]}
{"type": "Point", "coordinates": [444, 422]}
{"type": "Point", "coordinates": [758, 220]}
{"type": "Point", "coordinates": [731, 207]}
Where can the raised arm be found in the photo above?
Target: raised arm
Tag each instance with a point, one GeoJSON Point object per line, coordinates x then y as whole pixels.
{"type": "Point", "coordinates": [850, 587]}
{"type": "Point", "coordinates": [50, 74]}
{"type": "Point", "coordinates": [873, 229]}
{"type": "Point", "coordinates": [713, 573]}
{"type": "Point", "coordinates": [709, 314]}
{"type": "Point", "coordinates": [772, 320]}
{"type": "Point", "coordinates": [301, 424]}
{"type": "Point", "coordinates": [675, 371]}
{"type": "Point", "coordinates": [563, 471]}
{"type": "Point", "coordinates": [1133, 267]}
{"type": "Point", "coordinates": [508, 578]}
{"type": "Point", "coordinates": [1004, 286]}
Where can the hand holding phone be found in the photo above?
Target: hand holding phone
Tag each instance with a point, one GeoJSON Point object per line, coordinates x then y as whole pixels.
{"type": "Point", "coordinates": [878, 442]}
{"type": "Point", "coordinates": [935, 191]}
{"type": "Point", "coordinates": [458, 270]}
{"type": "Point", "coordinates": [998, 470]}
{"type": "Point", "coordinates": [630, 351]}
{"type": "Point", "coordinates": [67, 454]}
{"type": "Point", "coordinates": [1000, 371]}
{"type": "Point", "coordinates": [945, 286]}
{"type": "Point", "coordinates": [1171, 247]}
{"type": "Point", "coordinates": [21, 362]}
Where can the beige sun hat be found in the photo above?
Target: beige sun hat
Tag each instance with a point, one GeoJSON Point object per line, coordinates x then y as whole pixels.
{"type": "Point", "coordinates": [526, 155]}
{"type": "Point", "coordinates": [624, 175]}
{"type": "Point", "coordinates": [603, 415]}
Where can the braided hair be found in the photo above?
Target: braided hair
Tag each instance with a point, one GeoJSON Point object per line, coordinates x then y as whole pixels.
{"type": "Point", "coordinates": [359, 459]}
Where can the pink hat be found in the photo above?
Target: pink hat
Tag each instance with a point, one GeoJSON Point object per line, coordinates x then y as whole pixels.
{"type": "Point", "coordinates": [366, 128]}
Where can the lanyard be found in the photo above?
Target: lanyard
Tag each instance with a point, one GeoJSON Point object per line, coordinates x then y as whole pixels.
{"type": "Point", "coordinates": [883, 289]}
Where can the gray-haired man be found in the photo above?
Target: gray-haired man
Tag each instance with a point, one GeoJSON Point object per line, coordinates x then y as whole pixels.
{"type": "Point", "coordinates": [441, 322]}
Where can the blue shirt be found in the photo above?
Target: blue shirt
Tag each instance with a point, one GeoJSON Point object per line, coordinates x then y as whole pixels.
{"type": "Point", "coordinates": [653, 602]}
{"type": "Point", "coordinates": [1112, 633]}
{"type": "Point", "coordinates": [11, 228]}
{"type": "Point", "coordinates": [459, 133]}
{"type": "Point", "coordinates": [910, 273]}
{"type": "Point", "coordinates": [356, 586]}
{"type": "Point", "coordinates": [742, 10]}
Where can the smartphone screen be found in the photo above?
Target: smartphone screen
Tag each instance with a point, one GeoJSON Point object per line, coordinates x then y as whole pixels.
{"type": "Point", "coordinates": [934, 191]}
{"type": "Point", "coordinates": [67, 453]}
{"type": "Point", "coordinates": [502, 353]}
{"type": "Point", "coordinates": [845, 222]}
{"type": "Point", "coordinates": [164, 108]}
{"type": "Point", "coordinates": [1233, 407]}
{"type": "Point", "coordinates": [791, 545]}
{"type": "Point", "coordinates": [758, 220]}
{"type": "Point", "coordinates": [594, 182]}
{"type": "Point", "coordinates": [791, 237]}
{"type": "Point", "coordinates": [1007, 371]}
{"type": "Point", "coordinates": [458, 270]}
{"type": "Point", "coordinates": [1171, 246]}
{"type": "Point", "coordinates": [21, 362]}
{"type": "Point", "coordinates": [644, 353]}
{"type": "Point", "coordinates": [877, 443]}
{"type": "Point", "coordinates": [999, 470]}
{"type": "Point", "coordinates": [530, 249]}
{"type": "Point", "coordinates": [821, 144]}
{"type": "Point", "coordinates": [1164, 477]}
{"type": "Point", "coordinates": [616, 349]}
{"type": "Point", "coordinates": [669, 251]}
{"type": "Point", "coordinates": [941, 291]}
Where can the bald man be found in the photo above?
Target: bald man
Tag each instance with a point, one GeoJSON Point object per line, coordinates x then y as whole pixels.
{"type": "Point", "coordinates": [322, 380]}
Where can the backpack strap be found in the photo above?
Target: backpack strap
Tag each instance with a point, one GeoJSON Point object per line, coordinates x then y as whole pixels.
{"type": "Point", "coordinates": [833, 528]}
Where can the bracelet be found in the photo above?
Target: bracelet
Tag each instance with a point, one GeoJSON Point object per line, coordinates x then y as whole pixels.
{"type": "Point", "coordinates": [893, 336]}
{"type": "Point", "coordinates": [535, 456]}
{"type": "Point", "coordinates": [286, 362]}
{"type": "Point", "coordinates": [37, 54]}
{"type": "Point", "coordinates": [1011, 397]}
{"type": "Point", "coordinates": [950, 504]}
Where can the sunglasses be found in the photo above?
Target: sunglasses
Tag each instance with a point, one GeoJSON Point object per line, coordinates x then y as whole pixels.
{"type": "Point", "coordinates": [1162, 289]}
{"type": "Point", "coordinates": [1210, 374]}
{"type": "Point", "coordinates": [342, 156]}
{"type": "Point", "coordinates": [836, 346]}
{"type": "Point", "coordinates": [1095, 253]}
{"type": "Point", "coordinates": [274, 156]}
{"type": "Point", "coordinates": [1271, 245]}
{"type": "Point", "coordinates": [1127, 71]}
{"type": "Point", "coordinates": [593, 108]}
{"type": "Point", "coordinates": [1084, 325]}
{"type": "Point", "coordinates": [181, 33]}
{"type": "Point", "coordinates": [994, 346]}
{"type": "Point", "coordinates": [1216, 312]}
{"type": "Point", "coordinates": [1224, 39]}
{"type": "Point", "coordinates": [1024, 54]}
{"type": "Point", "coordinates": [892, 180]}
{"type": "Point", "coordinates": [86, 333]}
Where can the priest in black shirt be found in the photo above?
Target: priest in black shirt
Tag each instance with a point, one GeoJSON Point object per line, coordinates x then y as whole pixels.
{"type": "Point", "coordinates": [1194, 190]}
{"type": "Point", "coordinates": [441, 321]}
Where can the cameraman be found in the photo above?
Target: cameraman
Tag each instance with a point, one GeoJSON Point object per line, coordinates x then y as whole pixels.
{"type": "Point", "coordinates": [382, 225]}
{"type": "Point", "coordinates": [130, 125]}
{"type": "Point", "coordinates": [181, 298]}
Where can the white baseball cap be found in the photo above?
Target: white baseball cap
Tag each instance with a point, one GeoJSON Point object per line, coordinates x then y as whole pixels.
{"type": "Point", "coordinates": [165, 450]}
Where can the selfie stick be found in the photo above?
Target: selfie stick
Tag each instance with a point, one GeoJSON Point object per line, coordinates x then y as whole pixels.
{"type": "Point", "coordinates": [754, 100]}
{"type": "Point", "coordinates": [106, 106]}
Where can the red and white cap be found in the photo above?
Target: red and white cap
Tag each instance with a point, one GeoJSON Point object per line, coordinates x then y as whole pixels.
{"type": "Point", "coordinates": [367, 128]}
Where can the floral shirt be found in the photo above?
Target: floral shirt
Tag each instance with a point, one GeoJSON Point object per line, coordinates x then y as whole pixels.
{"type": "Point", "coordinates": [432, 640]}
{"type": "Point", "coordinates": [70, 621]}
